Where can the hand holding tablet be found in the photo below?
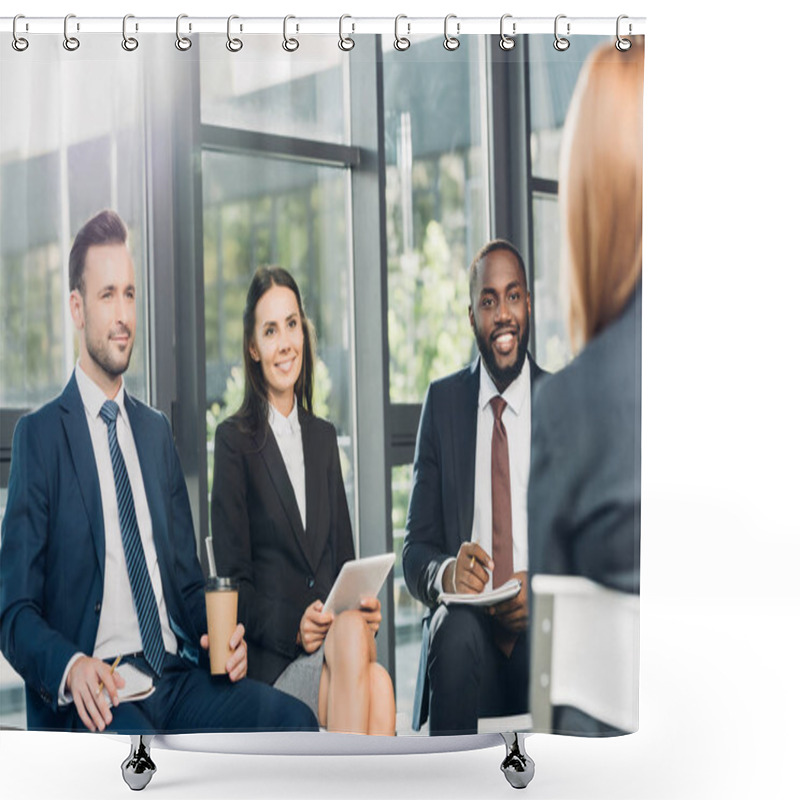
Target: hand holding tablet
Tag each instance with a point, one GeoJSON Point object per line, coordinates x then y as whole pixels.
{"type": "Point", "coordinates": [357, 579]}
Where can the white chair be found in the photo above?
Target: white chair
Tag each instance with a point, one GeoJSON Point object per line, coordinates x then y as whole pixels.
{"type": "Point", "coordinates": [585, 652]}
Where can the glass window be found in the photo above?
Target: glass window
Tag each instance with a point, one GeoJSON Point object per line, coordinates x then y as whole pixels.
{"type": "Point", "coordinates": [436, 205]}
{"type": "Point", "coordinates": [553, 76]}
{"type": "Point", "coordinates": [63, 157]}
{"type": "Point", "coordinates": [549, 301]}
{"type": "Point", "coordinates": [302, 95]}
{"type": "Point", "coordinates": [408, 612]}
{"type": "Point", "coordinates": [259, 211]}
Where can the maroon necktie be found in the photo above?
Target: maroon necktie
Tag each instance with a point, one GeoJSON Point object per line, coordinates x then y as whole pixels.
{"type": "Point", "coordinates": [502, 542]}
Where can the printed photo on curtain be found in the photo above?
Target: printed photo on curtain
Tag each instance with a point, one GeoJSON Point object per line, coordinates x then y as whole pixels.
{"type": "Point", "coordinates": [320, 383]}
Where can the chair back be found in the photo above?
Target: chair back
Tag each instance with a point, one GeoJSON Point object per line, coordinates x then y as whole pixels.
{"type": "Point", "coordinates": [585, 651]}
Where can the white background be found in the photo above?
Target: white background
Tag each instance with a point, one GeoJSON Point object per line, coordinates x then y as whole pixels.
{"type": "Point", "coordinates": [720, 531]}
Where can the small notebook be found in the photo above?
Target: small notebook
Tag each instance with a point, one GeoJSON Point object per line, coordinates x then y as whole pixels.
{"type": "Point", "coordinates": [509, 589]}
{"type": "Point", "coordinates": [138, 686]}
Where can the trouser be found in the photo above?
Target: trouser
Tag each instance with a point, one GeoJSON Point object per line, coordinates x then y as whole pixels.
{"type": "Point", "coordinates": [188, 699]}
{"type": "Point", "coordinates": [469, 676]}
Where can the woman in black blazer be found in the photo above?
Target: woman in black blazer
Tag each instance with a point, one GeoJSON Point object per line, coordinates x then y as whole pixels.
{"type": "Point", "coordinates": [585, 484]}
{"type": "Point", "coordinates": [281, 526]}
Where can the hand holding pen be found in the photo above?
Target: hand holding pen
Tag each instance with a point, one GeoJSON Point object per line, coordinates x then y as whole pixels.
{"type": "Point", "coordinates": [85, 681]}
{"type": "Point", "coordinates": [113, 667]}
{"type": "Point", "coordinates": [470, 572]}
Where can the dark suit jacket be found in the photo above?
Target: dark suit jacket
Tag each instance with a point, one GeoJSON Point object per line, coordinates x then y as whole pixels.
{"type": "Point", "coordinates": [585, 483]}
{"type": "Point", "coordinates": [259, 538]}
{"type": "Point", "coordinates": [441, 507]}
{"type": "Point", "coordinates": [53, 547]}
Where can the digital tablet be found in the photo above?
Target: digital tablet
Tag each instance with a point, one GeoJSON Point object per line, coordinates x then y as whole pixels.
{"type": "Point", "coordinates": [362, 577]}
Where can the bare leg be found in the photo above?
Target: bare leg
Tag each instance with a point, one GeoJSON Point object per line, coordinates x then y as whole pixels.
{"type": "Point", "coordinates": [349, 650]}
{"type": "Point", "coordinates": [382, 716]}
{"type": "Point", "coordinates": [324, 689]}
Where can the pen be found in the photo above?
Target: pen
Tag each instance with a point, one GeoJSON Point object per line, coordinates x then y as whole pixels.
{"type": "Point", "coordinates": [113, 667]}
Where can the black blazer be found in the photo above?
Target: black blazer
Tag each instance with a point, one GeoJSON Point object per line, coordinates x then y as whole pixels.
{"type": "Point", "coordinates": [442, 502]}
{"type": "Point", "coordinates": [259, 538]}
{"type": "Point", "coordinates": [585, 482]}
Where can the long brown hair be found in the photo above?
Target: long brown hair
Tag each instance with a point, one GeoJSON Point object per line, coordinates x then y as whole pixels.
{"type": "Point", "coordinates": [601, 189]}
{"type": "Point", "coordinates": [252, 414]}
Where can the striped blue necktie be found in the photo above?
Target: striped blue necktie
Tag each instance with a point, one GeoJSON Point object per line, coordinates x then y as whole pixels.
{"type": "Point", "coordinates": [142, 589]}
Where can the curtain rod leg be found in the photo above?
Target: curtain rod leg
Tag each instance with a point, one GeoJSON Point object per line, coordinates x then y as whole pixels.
{"type": "Point", "coordinates": [518, 766]}
{"type": "Point", "coordinates": [138, 768]}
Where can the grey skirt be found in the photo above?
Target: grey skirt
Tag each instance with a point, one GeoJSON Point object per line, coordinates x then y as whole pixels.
{"type": "Point", "coordinates": [301, 679]}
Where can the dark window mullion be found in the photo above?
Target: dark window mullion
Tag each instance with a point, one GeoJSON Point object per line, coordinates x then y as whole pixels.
{"type": "Point", "coordinates": [245, 142]}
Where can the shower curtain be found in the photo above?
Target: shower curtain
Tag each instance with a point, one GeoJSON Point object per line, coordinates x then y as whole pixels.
{"type": "Point", "coordinates": [373, 173]}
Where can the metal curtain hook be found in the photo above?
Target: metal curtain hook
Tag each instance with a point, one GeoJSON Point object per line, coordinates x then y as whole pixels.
{"type": "Point", "coordinates": [401, 42]}
{"type": "Point", "coordinates": [345, 42]}
{"type": "Point", "coordinates": [70, 42]}
{"type": "Point", "coordinates": [561, 43]}
{"type": "Point", "coordinates": [129, 43]}
{"type": "Point", "coordinates": [507, 42]}
{"type": "Point", "coordinates": [19, 43]}
{"type": "Point", "coordinates": [182, 42]}
{"type": "Point", "coordinates": [290, 44]}
{"type": "Point", "coordinates": [451, 42]}
{"type": "Point", "coordinates": [233, 44]}
{"type": "Point", "coordinates": [623, 44]}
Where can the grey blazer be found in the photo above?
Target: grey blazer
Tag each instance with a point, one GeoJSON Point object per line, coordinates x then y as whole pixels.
{"type": "Point", "coordinates": [585, 480]}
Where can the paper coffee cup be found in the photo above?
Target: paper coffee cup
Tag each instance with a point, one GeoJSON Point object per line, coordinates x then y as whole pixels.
{"type": "Point", "coordinates": [222, 600]}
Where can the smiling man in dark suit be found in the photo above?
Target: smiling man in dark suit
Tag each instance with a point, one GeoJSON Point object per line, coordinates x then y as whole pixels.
{"type": "Point", "coordinates": [467, 517]}
{"type": "Point", "coordinates": [98, 551]}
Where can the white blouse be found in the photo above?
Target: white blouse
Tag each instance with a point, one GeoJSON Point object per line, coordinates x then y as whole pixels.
{"type": "Point", "coordinates": [290, 442]}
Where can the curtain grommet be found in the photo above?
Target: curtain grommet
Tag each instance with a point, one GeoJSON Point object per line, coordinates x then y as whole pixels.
{"type": "Point", "coordinates": [621, 44]}
{"type": "Point", "coordinates": [346, 43]}
{"type": "Point", "coordinates": [19, 43]}
{"type": "Point", "coordinates": [71, 43]}
{"type": "Point", "coordinates": [233, 44]}
{"type": "Point", "coordinates": [290, 44]}
{"type": "Point", "coordinates": [129, 43]}
{"type": "Point", "coordinates": [183, 43]}
{"type": "Point", "coordinates": [561, 43]}
{"type": "Point", "coordinates": [401, 43]}
{"type": "Point", "coordinates": [451, 43]}
{"type": "Point", "coordinates": [507, 42]}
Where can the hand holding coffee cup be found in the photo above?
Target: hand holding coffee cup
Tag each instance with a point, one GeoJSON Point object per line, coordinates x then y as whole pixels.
{"type": "Point", "coordinates": [236, 665]}
{"type": "Point", "coordinates": [225, 638]}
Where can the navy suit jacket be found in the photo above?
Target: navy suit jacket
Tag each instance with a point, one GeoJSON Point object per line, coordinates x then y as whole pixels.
{"type": "Point", "coordinates": [585, 482]}
{"type": "Point", "coordinates": [259, 538]}
{"type": "Point", "coordinates": [53, 545]}
{"type": "Point", "coordinates": [442, 504]}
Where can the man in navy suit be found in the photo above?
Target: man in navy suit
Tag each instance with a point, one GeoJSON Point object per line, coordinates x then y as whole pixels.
{"type": "Point", "coordinates": [98, 551]}
{"type": "Point", "coordinates": [467, 519]}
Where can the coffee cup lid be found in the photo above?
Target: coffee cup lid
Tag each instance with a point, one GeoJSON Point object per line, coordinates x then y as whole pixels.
{"type": "Point", "coordinates": [217, 584]}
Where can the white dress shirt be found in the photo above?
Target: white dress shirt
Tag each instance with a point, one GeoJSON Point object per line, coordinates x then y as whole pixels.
{"type": "Point", "coordinates": [290, 442]}
{"type": "Point", "coordinates": [118, 627]}
{"type": "Point", "coordinates": [517, 420]}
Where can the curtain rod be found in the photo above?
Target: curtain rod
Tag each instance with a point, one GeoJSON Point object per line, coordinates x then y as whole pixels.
{"type": "Point", "coordinates": [348, 25]}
